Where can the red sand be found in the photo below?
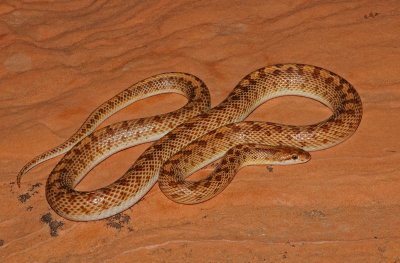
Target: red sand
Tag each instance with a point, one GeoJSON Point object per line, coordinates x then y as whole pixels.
{"type": "Point", "coordinates": [60, 60]}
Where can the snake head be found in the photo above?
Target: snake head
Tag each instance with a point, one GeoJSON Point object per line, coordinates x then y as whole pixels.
{"type": "Point", "coordinates": [285, 155]}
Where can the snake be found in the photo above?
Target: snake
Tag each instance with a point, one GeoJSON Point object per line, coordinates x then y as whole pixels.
{"type": "Point", "coordinates": [194, 136]}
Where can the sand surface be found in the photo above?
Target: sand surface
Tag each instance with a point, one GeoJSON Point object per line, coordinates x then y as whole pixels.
{"type": "Point", "coordinates": [60, 60]}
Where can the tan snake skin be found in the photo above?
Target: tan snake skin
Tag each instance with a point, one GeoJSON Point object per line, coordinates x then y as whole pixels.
{"type": "Point", "coordinates": [198, 140]}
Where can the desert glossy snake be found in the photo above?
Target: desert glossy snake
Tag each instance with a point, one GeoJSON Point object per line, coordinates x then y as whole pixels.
{"type": "Point", "coordinates": [194, 136]}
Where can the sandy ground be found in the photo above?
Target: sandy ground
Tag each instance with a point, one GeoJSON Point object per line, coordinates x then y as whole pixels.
{"type": "Point", "coordinates": [60, 60]}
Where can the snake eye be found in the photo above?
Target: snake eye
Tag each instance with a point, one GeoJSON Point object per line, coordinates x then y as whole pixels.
{"type": "Point", "coordinates": [294, 157]}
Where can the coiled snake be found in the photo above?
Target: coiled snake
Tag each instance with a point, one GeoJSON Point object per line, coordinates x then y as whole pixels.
{"type": "Point", "coordinates": [194, 136]}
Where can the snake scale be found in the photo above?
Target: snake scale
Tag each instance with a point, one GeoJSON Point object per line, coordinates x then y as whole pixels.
{"type": "Point", "coordinates": [194, 136]}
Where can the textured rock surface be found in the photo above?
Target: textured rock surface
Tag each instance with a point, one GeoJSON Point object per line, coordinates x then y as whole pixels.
{"type": "Point", "coordinates": [59, 60]}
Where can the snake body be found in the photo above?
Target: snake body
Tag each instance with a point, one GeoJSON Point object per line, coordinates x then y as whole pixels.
{"type": "Point", "coordinates": [188, 140]}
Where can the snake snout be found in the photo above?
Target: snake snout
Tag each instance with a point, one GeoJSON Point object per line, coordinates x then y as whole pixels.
{"type": "Point", "coordinates": [304, 156]}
